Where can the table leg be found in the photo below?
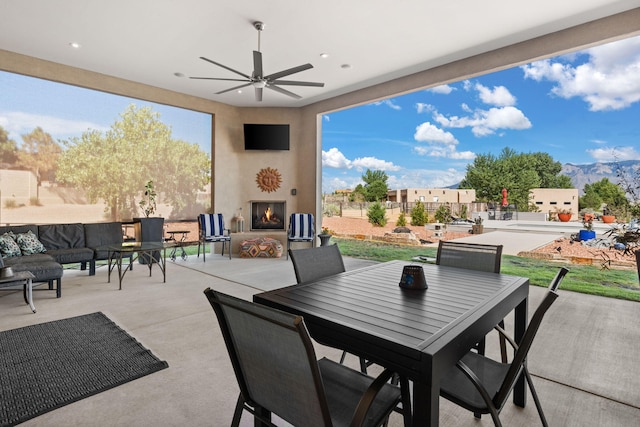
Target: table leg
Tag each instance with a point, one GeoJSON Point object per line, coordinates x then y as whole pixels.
{"type": "Point", "coordinates": [521, 315]}
{"type": "Point", "coordinates": [28, 293]}
{"type": "Point", "coordinates": [426, 404]}
{"type": "Point", "coordinates": [119, 265]}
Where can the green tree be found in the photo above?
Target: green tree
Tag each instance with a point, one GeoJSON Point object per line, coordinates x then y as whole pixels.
{"type": "Point", "coordinates": [138, 148]}
{"type": "Point", "coordinates": [39, 153]}
{"type": "Point", "coordinates": [377, 214]}
{"type": "Point", "coordinates": [603, 191]}
{"type": "Point", "coordinates": [402, 220]}
{"type": "Point", "coordinates": [375, 188]}
{"type": "Point", "coordinates": [8, 148]}
{"type": "Point", "coordinates": [517, 172]}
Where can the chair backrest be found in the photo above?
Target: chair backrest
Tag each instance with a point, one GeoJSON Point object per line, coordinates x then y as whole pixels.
{"type": "Point", "coordinates": [273, 359]}
{"type": "Point", "coordinates": [525, 344]}
{"type": "Point", "coordinates": [211, 225]}
{"type": "Point", "coordinates": [473, 256]}
{"type": "Point", "coordinates": [301, 226]}
{"type": "Point", "coordinates": [315, 263]}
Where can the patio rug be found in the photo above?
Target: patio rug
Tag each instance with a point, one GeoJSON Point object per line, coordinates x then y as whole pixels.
{"type": "Point", "coordinates": [46, 366]}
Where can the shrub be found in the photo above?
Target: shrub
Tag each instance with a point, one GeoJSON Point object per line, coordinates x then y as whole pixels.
{"type": "Point", "coordinates": [331, 209]}
{"type": "Point", "coordinates": [10, 204]}
{"type": "Point", "coordinates": [443, 214]}
{"type": "Point", "coordinates": [402, 220]}
{"type": "Point", "coordinates": [418, 214]}
{"type": "Point", "coordinates": [377, 214]}
{"type": "Point", "coordinates": [34, 201]}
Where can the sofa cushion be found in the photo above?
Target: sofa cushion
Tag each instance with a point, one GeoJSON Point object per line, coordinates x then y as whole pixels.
{"type": "Point", "coordinates": [99, 235]}
{"type": "Point", "coordinates": [61, 236]}
{"type": "Point", "coordinates": [19, 229]}
{"type": "Point", "coordinates": [8, 246]}
{"type": "Point", "coordinates": [30, 259]}
{"type": "Point", "coordinates": [29, 243]}
{"type": "Point", "coordinates": [43, 271]}
{"type": "Point", "coordinates": [68, 256]}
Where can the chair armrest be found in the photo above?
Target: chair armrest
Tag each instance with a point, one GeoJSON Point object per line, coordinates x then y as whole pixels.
{"type": "Point", "coordinates": [359, 416]}
{"type": "Point", "coordinates": [507, 337]}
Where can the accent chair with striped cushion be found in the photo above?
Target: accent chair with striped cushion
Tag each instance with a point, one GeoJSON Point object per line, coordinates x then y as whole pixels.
{"type": "Point", "coordinates": [301, 229]}
{"type": "Point", "coordinates": [211, 230]}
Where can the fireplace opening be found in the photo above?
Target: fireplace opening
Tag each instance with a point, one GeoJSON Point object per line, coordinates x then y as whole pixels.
{"type": "Point", "coordinates": [267, 215]}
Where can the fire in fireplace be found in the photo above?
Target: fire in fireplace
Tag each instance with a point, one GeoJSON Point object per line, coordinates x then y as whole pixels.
{"type": "Point", "coordinates": [267, 215]}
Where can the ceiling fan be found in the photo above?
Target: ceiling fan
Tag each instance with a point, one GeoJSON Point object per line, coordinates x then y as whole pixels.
{"type": "Point", "coordinates": [260, 81]}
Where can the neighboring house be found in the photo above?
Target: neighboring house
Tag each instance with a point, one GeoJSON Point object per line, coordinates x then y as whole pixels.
{"type": "Point", "coordinates": [551, 200]}
{"type": "Point", "coordinates": [428, 195]}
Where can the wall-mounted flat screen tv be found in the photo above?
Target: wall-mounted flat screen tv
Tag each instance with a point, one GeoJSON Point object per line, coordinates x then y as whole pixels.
{"type": "Point", "coordinates": [266, 137]}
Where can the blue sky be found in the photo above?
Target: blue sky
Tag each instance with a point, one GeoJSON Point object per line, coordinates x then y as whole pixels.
{"type": "Point", "coordinates": [580, 108]}
{"type": "Point", "coordinates": [66, 111]}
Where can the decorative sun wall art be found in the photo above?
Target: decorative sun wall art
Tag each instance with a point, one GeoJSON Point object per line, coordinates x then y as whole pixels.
{"type": "Point", "coordinates": [268, 179]}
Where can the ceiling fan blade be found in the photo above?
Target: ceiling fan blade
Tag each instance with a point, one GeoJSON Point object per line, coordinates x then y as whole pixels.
{"type": "Point", "coordinates": [293, 83]}
{"type": "Point", "coordinates": [225, 67]}
{"type": "Point", "coordinates": [215, 78]}
{"type": "Point", "coordinates": [259, 94]}
{"type": "Point", "coordinates": [284, 91]}
{"type": "Point", "coordinates": [293, 70]}
{"type": "Point", "coordinates": [257, 64]}
{"type": "Point", "coordinates": [233, 88]}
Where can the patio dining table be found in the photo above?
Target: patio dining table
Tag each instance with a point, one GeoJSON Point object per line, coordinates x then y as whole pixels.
{"type": "Point", "coordinates": [420, 334]}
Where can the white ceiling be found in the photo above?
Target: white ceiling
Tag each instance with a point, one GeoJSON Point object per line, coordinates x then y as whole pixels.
{"type": "Point", "coordinates": [149, 41]}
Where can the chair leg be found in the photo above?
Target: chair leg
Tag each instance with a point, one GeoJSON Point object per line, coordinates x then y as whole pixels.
{"type": "Point", "coordinates": [535, 397]}
{"type": "Point", "coordinates": [237, 414]}
{"type": "Point", "coordinates": [344, 354]}
{"type": "Point", "coordinates": [363, 365]}
{"type": "Point", "coordinates": [198, 249]}
{"type": "Point", "coordinates": [288, 247]}
{"type": "Point", "coordinates": [503, 344]}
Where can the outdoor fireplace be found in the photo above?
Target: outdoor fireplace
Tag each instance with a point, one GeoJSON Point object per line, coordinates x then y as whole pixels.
{"type": "Point", "coordinates": [266, 215]}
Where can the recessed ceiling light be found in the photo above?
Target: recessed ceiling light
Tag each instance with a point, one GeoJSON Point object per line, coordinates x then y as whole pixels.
{"type": "Point", "coordinates": [324, 55]}
{"type": "Point", "coordinates": [239, 90]}
{"type": "Point", "coordinates": [345, 66]}
{"type": "Point", "coordinates": [178, 74]}
{"type": "Point", "coordinates": [75, 45]}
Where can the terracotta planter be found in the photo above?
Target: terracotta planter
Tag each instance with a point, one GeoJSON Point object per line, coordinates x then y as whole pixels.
{"type": "Point", "coordinates": [564, 217]}
{"type": "Point", "coordinates": [589, 217]}
{"type": "Point", "coordinates": [608, 219]}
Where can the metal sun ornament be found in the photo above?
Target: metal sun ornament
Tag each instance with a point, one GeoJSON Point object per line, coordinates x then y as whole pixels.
{"type": "Point", "coordinates": [268, 179]}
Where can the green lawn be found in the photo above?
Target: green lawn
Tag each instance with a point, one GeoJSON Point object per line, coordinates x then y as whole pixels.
{"type": "Point", "coordinates": [621, 284]}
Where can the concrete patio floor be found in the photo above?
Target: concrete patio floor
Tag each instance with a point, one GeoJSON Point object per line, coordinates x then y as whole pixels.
{"type": "Point", "coordinates": [585, 359]}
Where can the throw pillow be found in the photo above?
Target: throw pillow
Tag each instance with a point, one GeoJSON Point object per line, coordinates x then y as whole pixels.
{"type": "Point", "coordinates": [29, 243]}
{"type": "Point", "coordinates": [8, 247]}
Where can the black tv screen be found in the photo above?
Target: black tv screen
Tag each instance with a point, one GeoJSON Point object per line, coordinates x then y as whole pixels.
{"type": "Point", "coordinates": [266, 137]}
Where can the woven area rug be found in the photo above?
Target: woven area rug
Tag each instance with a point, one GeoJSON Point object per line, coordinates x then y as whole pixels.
{"type": "Point", "coordinates": [46, 366]}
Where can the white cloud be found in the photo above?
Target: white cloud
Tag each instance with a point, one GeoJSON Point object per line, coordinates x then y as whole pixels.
{"type": "Point", "coordinates": [440, 143]}
{"type": "Point", "coordinates": [487, 122]}
{"type": "Point", "coordinates": [607, 81]}
{"type": "Point", "coordinates": [426, 178]}
{"type": "Point", "coordinates": [442, 89]}
{"type": "Point", "coordinates": [18, 123]}
{"type": "Point", "coordinates": [333, 158]}
{"type": "Point", "coordinates": [427, 132]}
{"type": "Point", "coordinates": [499, 95]}
{"type": "Point", "coordinates": [362, 163]}
{"type": "Point", "coordinates": [326, 118]}
{"type": "Point", "coordinates": [614, 154]}
{"type": "Point", "coordinates": [389, 103]}
{"type": "Point", "coordinates": [424, 108]}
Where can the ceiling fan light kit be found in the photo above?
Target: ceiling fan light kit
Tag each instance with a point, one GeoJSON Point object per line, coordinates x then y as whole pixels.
{"type": "Point", "coordinates": [260, 81]}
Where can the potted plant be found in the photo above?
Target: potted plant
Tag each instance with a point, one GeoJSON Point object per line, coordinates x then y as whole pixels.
{"type": "Point", "coordinates": [477, 227]}
{"type": "Point", "coordinates": [564, 215]}
{"type": "Point", "coordinates": [587, 233]}
{"type": "Point", "coordinates": [325, 235]}
{"type": "Point", "coordinates": [149, 229]}
{"type": "Point", "coordinates": [609, 214]}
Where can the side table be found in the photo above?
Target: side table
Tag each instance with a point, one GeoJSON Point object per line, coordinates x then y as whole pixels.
{"type": "Point", "coordinates": [26, 279]}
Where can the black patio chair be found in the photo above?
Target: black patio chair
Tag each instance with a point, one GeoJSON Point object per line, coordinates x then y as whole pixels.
{"type": "Point", "coordinates": [473, 256]}
{"type": "Point", "coordinates": [483, 385]}
{"type": "Point", "coordinates": [275, 364]}
{"type": "Point", "coordinates": [316, 263]}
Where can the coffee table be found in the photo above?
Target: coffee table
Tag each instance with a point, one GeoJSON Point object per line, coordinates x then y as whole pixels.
{"type": "Point", "coordinates": [135, 250]}
{"type": "Point", "coordinates": [26, 279]}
